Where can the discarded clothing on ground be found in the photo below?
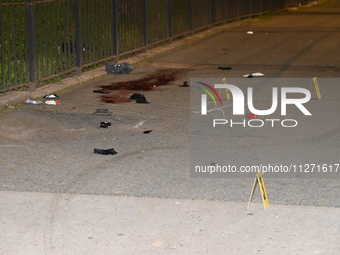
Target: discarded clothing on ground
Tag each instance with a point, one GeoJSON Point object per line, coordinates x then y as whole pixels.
{"type": "Point", "coordinates": [140, 99]}
{"type": "Point", "coordinates": [105, 152]}
{"type": "Point", "coordinates": [114, 68]}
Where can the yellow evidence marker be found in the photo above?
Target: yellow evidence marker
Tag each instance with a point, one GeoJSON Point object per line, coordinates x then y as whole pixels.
{"type": "Point", "coordinates": [227, 93]}
{"type": "Point", "coordinates": [316, 86]}
{"type": "Point", "coordinates": [259, 179]}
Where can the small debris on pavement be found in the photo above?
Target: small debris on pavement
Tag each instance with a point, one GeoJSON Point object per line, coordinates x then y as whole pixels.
{"type": "Point", "coordinates": [114, 68]}
{"type": "Point", "coordinates": [105, 151]}
{"type": "Point", "coordinates": [140, 123]}
{"type": "Point", "coordinates": [140, 99]}
{"type": "Point", "coordinates": [101, 91]}
{"type": "Point", "coordinates": [105, 124]}
{"type": "Point", "coordinates": [250, 32]}
{"type": "Point", "coordinates": [31, 101]}
{"type": "Point", "coordinates": [52, 102]}
{"type": "Point", "coordinates": [147, 131]}
{"type": "Point", "coordinates": [253, 75]}
{"type": "Point", "coordinates": [224, 68]}
{"type": "Point", "coordinates": [135, 96]}
{"type": "Point", "coordinates": [102, 112]}
{"type": "Point", "coordinates": [185, 84]}
{"type": "Point", "coordinates": [51, 96]}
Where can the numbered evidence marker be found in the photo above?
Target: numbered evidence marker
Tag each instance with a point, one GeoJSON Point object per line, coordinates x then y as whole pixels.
{"type": "Point", "coordinates": [227, 93]}
{"type": "Point", "coordinates": [316, 86]}
{"type": "Point", "coordinates": [259, 180]}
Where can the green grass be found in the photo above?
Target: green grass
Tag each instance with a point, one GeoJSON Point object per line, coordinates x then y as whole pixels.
{"type": "Point", "coordinates": [55, 24]}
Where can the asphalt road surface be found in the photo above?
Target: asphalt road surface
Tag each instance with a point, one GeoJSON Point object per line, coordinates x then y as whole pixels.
{"type": "Point", "coordinates": [50, 148]}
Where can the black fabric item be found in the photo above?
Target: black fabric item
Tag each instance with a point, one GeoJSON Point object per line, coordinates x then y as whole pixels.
{"type": "Point", "coordinates": [105, 152]}
{"type": "Point", "coordinates": [136, 96]}
{"type": "Point", "coordinates": [101, 91]}
{"type": "Point", "coordinates": [142, 100]}
{"type": "Point", "coordinates": [224, 68]}
{"type": "Point", "coordinates": [114, 68]}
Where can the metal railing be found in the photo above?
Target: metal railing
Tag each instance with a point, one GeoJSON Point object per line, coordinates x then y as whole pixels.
{"type": "Point", "coordinates": [42, 39]}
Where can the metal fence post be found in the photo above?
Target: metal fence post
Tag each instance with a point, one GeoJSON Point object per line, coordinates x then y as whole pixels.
{"type": "Point", "coordinates": [79, 37]}
{"type": "Point", "coordinates": [191, 17]}
{"type": "Point", "coordinates": [212, 11]}
{"type": "Point", "coordinates": [115, 38]}
{"type": "Point", "coordinates": [225, 10]}
{"type": "Point", "coordinates": [170, 20]}
{"type": "Point", "coordinates": [209, 13]}
{"type": "Point", "coordinates": [31, 44]}
{"type": "Point", "coordinates": [145, 24]}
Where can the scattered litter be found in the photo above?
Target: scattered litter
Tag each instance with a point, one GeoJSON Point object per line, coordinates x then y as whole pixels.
{"type": "Point", "coordinates": [52, 102]}
{"type": "Point", "coordinates": [253, 75]}
{"type": "Point", "coordinates": [147, 131]}
{"type": "Point", "coordinates": [31, 101]}
{"type": "Point", "coordinates": [9, 107]}
{"type": "Point", "coordinates": [51, 96]}
{"type": "Point", "coordinates": [135, 96]}
{"type": "Point", "coordinates": [185, 84]}
{"type": "Point", "coordinates": [140, 123]}
{"type": "Point", "coordinates": [101, 91]}
{"type": "Point", "coordinates": [105, 151]}
{"type": "Point", "coordinates": [102, 112]}
{"type": "Point", "coordinates": [250, 32]}
{"type": "Point", "coordinates": [105, 124]}
{"type": "Point", "coordinates": [140, 99]}
{"type": "Point", "coordinates": [252, 116]}
{"type": "Point", "coordinates": [114, 68]}
{"type": "Point", "coordinates": [224, 68]}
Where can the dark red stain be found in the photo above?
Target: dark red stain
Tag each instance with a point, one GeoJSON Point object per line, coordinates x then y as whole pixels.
{"type": "Point", "coordinates": [125, 88]}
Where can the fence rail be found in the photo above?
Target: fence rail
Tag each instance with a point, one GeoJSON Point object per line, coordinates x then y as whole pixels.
{"type": "Point", "coordinates": [43, 39]}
